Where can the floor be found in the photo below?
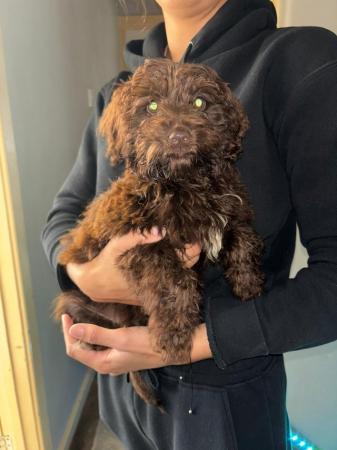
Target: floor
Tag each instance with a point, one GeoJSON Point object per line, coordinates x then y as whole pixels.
{"type": "Point", "coordinates": [104, 440]}
{"type": "Point", "coordinates": [91, 433]}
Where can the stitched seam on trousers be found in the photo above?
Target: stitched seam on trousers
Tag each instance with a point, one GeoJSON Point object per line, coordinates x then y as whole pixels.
{"type": "Point", "coordinates": [268, 411]}
{"type": "Point", "coordinates": [230, 423]}
{"type": "Point", "coordinates": [152, 444]}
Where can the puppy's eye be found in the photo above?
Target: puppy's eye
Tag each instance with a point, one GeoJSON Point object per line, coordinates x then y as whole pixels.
{"type": "Point", "coordinates": [199, 103]}
{"type": "Point", "coordinates": [152, 106]}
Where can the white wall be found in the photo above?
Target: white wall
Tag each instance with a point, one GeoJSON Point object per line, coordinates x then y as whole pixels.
{"type": "Point", "coordinates": [312, 384]}
{"type": "Point", "coordinates": [312, 373]}
{"type": "Point", "coordinates": [309, 12]}
{"type": "Point", "coordinates": [54, 50]}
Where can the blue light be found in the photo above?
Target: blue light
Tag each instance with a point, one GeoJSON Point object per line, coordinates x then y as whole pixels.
{"type": "Point", "coordinates": [299, 441]}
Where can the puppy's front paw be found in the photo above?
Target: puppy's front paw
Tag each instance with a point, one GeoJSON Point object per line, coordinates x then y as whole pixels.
{"type": "Point", "coordinates": [174, 345]}
{"type": "Point", "coordinates": [247, 285]}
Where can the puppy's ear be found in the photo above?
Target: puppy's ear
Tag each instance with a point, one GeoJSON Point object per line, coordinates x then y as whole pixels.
{"type": "Point", "coordinates": [237, 124]}
{"type": "Point", "coordinates": [114, 123]}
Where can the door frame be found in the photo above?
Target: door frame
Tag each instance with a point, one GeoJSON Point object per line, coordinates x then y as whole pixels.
{"type": "Point", "coordinates": [277, 4]}
{"type": "Point", "coordinates": [20, 416]}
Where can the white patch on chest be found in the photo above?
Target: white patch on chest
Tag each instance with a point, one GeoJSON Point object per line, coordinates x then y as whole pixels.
{"type": "Point", "coordinates": [213, 244]}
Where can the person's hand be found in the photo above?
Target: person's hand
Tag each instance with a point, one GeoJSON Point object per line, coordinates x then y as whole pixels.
{"type": "Point", "coordinates": [191, 254]}
{"type": "Point", "coordinates": [100, 278]}
{"type": "Point", "coordinates": [129, 349]}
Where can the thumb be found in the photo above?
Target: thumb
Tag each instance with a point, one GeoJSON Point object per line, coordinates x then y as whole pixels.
{"type": "Point", "coordinates": [133, 238]}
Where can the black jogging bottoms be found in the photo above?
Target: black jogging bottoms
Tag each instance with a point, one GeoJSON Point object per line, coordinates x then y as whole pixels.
{"type": "Point", "coordinates": [249, 414]}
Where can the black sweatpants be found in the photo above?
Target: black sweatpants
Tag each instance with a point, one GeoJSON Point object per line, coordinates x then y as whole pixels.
{"type": "Point", "coordinates": [246, 413]}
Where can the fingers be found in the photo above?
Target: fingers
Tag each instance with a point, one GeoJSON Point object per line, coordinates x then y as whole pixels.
{"type": "Point", "coordinates": [190, 255]}
{"type": "Point", "coordinates": [134, 351]}
{"type": "Point", "coordinates": [130, 240]}
{"type": "Point", "coordinates": [191, 262]}
{"type": "Point", "coordinates": [66, 324]}
{"type": "Point", "coordinates": [128, 339]}
{"type": "Point", "coordinates": [192, 250]}
{"type": "Point", "coordinates": [97, 360]}
{"type": "Point", "coordinates": [93, 334]}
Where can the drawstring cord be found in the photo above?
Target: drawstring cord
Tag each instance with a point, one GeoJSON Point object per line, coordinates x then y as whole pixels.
{"type": "Point", "coordinates": [190, 411]}
{"type": "Point", "coordinates": [152, 379]}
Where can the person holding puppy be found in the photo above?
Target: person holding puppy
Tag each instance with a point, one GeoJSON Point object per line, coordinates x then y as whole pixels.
{"type": "Point", "coordinates": [285, 79]}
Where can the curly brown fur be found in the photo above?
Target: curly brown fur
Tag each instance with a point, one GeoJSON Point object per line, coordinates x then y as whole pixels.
{"type": "Point", "coordinates": [180, 175]}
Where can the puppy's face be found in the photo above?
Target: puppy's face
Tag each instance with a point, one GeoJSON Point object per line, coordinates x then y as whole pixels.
{"type": "Point", "coordinates": [169, 117]}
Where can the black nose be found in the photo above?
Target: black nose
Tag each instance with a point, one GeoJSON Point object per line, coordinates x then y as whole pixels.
{"type": "Point", "coordinates": [178, 138]}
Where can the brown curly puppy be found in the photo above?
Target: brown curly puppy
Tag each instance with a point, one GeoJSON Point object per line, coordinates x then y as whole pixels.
{"type": "Point", "coordinates": [179, 130]}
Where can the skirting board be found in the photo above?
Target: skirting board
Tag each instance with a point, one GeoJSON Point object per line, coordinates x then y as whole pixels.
{"type": "Point", "coordinates": [76, 411]}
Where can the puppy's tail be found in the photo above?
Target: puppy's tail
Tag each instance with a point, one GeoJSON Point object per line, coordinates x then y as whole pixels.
{"type": "Point", "coordinates": [144, 391]}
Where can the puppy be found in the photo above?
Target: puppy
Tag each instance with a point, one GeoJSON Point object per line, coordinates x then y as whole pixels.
{"type": "Point", "coordinates": [178, 129]}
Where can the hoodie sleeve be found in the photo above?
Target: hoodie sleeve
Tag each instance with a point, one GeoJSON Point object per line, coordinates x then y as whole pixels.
{"type": "Point", "coordinates": [302, 312]}
{"type": "Point", "coordinates": [76, 192]}
{"type": "Point", "coordinates": [79, 187]}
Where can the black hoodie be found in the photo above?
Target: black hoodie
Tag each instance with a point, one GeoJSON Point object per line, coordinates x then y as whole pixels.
{"type": "Point", "coordinates": [287, 81]}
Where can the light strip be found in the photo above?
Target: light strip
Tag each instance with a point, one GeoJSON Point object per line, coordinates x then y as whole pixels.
{"type": "Point", "coordinates": [299, 442]}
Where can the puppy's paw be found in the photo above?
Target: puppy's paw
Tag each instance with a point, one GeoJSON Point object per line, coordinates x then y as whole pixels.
{"type": "Point", "coordinates": [174, 345]}
{"type": "Point", "coordinates": [248, 286]}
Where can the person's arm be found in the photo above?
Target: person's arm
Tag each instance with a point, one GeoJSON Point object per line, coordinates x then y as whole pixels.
{"type": "Point", "coordinates": [76, 192]}
{"type": "Point", "coordinates": [302, 312]}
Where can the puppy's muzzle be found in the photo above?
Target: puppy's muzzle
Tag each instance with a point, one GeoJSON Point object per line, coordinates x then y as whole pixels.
{"type": "Point", "coordinates": [180, 142]}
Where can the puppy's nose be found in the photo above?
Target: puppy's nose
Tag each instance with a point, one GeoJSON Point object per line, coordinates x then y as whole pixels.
{"type": "Point", "coordinates": [178, 138]}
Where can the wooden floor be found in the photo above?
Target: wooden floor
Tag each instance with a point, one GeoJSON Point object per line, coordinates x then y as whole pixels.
{"type": "Point", "coordinates": [91, 433]}
{"type": "Point", "coordinates": [104, 440]}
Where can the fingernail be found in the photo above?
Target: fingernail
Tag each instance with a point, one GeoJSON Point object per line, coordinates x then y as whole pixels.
{"type": "Point", "coordinates": [63, 319]}
{"type": "Point", "coordinates": [76, 331]}
{"type": "Point", "coordinates": [155, 231]}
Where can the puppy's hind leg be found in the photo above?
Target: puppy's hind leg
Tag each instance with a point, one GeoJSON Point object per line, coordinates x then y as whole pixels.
{"type": "Point", "coordinates": [84, 310]}
{"type": "Point", "coordinates": [145, 391]}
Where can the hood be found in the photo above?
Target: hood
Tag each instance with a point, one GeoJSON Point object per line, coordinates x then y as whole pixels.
{"type": "Point", "coordinates": [236, 22]}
